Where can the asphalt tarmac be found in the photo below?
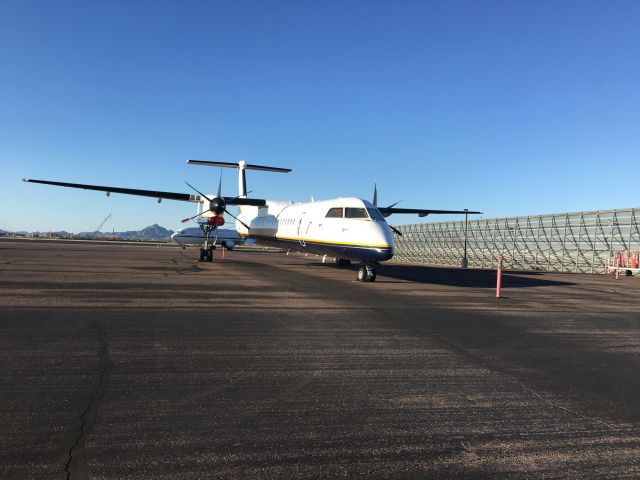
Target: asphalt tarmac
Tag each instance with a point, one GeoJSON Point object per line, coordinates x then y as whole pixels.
{"type": "Point", "coordinates": [137, 361]}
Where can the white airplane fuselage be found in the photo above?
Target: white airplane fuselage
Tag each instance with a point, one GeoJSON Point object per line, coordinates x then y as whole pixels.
{"type": "Point", "coordinates": [346, 228]}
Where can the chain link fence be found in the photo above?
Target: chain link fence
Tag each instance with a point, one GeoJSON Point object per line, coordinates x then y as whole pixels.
{"type": "Point", "coordinates": [566, 242]}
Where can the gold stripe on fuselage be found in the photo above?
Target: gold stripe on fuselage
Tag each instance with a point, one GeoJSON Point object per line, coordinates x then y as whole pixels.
{"type": "Point", "coordinates": [324, 242]}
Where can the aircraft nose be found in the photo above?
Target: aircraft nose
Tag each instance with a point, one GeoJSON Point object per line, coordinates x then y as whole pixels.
{"type": "Point", "coordinates": [384, 241]}
{"type": "Point", "coordinates": [385, 235]}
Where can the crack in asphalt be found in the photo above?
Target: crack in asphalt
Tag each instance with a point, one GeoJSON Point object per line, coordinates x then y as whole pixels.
{"type": "Point", "coordinates": [572, 411]}
{"type": "Point", "coordinates": [76, 466]}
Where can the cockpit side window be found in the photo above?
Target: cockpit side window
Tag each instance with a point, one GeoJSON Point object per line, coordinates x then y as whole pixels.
{"type": "Point", "coordinates": [356, 213]}
{"type": "Point", "coordinates": [334, 213]}
{"type": "Point", "coordinates": [375, 214]}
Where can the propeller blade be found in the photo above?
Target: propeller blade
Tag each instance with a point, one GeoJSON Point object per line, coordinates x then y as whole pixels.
{"type": "Point", "coordinates": [396, 231]}
{"type": "Point", "coordinates": [244, 224]}
{"type": "Point", "coordinates": [194, 188]}
{"type": "Point", "coordinates": [375, 197]}
{"type": "Point", "coordinates": [220, 184]}
{"type": "Point", "coordinates": [185, 220]}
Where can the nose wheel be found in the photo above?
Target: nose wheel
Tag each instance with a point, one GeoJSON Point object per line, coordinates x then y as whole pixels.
{"type": "Point", "coordinates": [206, 254]}
{"type": "Point", "coordinates": [367, 273]}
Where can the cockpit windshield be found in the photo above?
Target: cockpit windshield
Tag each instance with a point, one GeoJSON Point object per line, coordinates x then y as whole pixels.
{"type": "Point", "coordinates": [355, 213]}
{"type": "Point", "coordinates": [375, 214]}
{"type": "Point", "coordinates": [335, 213]}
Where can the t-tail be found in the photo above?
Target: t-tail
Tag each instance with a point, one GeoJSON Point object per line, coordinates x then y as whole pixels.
{"type": "Point", "coordinates": [242, 166]}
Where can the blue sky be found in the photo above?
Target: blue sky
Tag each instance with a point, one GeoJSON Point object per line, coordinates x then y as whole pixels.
{"type": "Point", "coordinates": [510, 107]}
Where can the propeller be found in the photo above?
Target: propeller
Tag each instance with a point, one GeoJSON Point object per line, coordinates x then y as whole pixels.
{"type": "Point", "coordinates": [375, 204]}
{"type": "Point", "coordinates": [375, 201]}
{"type": "Point", "coordinates": [217, 205]}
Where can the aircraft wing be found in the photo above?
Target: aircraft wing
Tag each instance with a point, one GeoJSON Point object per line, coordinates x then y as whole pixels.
{"type": "Point", "coordinates": [386, 211]}
{"type": "Point", "coordinates": [254, 202]}
{"type": "Point", "coordinates": [185, 197]}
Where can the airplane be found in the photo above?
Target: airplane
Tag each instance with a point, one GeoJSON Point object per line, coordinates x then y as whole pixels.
{"type": "Point", "coordinates": [226, 237]}
{"type": "Point", "coordinates": [348, 229]}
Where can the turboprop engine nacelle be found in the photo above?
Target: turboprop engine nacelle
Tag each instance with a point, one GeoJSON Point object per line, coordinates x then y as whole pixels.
{"type": "Point", "coordinates": [217, 205]}
{"type": "Point", "coordinates": [216, 221]}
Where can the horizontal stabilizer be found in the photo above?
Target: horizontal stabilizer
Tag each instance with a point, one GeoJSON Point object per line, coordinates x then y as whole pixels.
{"type": "Point", "coordinates": [185, 197]}
{"type": "Point", "coordinates": [248, 166]}
{"type": "Point", "coordinates": [422, 212]}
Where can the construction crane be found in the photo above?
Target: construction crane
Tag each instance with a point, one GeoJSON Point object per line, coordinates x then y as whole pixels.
{"type": "Point", "coordinates": [102, 223]}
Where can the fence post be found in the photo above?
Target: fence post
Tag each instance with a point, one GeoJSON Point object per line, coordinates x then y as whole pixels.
{"type": "Point", "coordinates": [499, 280]}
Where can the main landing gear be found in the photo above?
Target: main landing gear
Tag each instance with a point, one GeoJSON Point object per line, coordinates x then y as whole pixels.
{"type": "Point", "coordinates": [367, 273]}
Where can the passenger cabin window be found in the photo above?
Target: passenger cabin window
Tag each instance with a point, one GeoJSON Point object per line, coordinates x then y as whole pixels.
{"type": "Point", "coordinates": [334, 213]}
{"type": "Point", "coordinates": [356, 213]}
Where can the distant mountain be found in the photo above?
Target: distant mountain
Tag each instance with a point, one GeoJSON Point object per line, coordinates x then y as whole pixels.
{"type": "Point", "coordinates": [151, 233]}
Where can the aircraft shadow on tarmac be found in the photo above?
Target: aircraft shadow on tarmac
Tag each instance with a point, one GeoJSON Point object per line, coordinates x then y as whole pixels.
{"type": "Point", "coordinates": [457, 277]}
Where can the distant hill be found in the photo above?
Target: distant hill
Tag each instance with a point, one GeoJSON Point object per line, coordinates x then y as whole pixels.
{"type": "Point", "coordinates": [151, 233]}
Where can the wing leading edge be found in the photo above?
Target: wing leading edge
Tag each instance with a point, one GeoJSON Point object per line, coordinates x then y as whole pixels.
{"type": "Point", "coordinates": [184, 197]}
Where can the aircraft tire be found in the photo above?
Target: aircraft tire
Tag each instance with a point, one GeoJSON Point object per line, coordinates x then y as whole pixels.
{"type": "Point", "coordinates": [202, 254]}
{"type": "Point", "coordinates": [362, 274]}
{"type": "Point", "coordinates": [366, 273]}
{"type": "Point", "coordinates": [371, 275]}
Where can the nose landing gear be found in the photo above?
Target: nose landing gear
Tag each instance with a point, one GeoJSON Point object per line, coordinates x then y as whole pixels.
{"type": "Point", "coordinates": [206, 253]}
{"type": "Point", "coordinates": [367, 273]}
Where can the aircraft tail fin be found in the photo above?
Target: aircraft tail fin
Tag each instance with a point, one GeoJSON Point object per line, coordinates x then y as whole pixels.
{"type": "Point", "coordinates": [241, 166]}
